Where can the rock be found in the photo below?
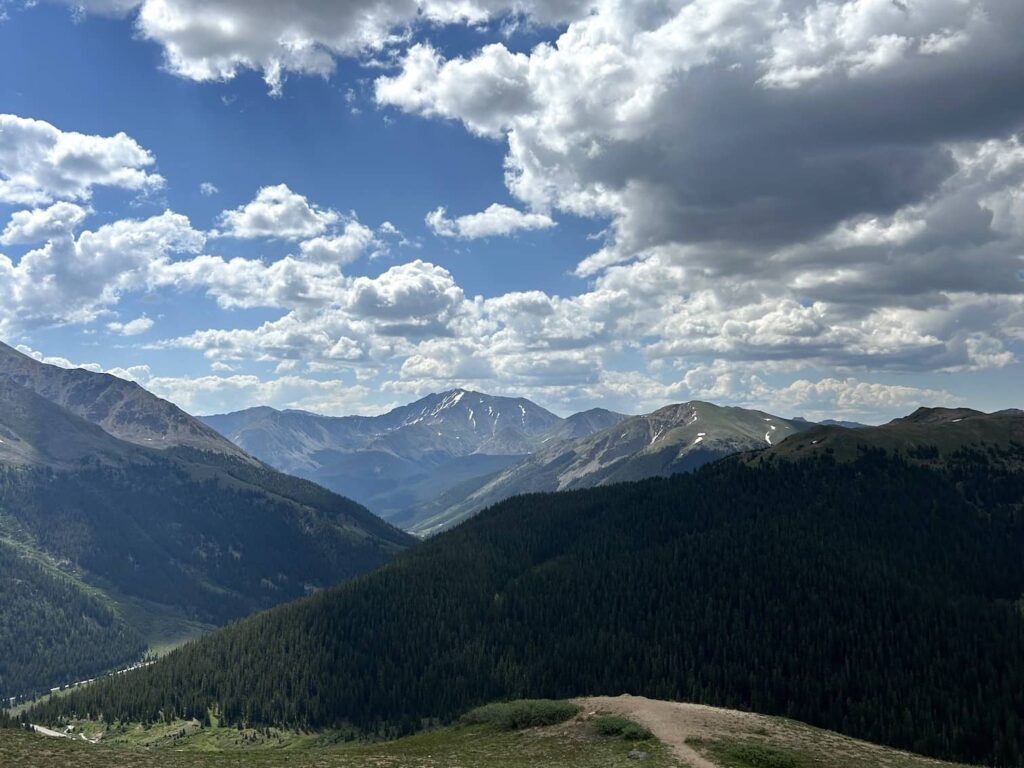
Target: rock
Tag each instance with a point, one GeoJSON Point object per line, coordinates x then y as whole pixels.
{"type": "Point", "coordinates": [637, 754]}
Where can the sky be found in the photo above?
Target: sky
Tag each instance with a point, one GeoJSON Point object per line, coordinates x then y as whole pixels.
{"type": "Point", "coordinates": [813, 208]}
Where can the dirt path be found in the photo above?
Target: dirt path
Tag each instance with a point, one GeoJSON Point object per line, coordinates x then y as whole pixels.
{"type": "Point", "coordinates": [671, 722]}
{"type": "Point", "coordinates": [47, 732]}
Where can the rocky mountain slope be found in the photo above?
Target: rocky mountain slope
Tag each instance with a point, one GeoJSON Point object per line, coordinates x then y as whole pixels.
{"type": "Point", "coordinates": [121, 408]}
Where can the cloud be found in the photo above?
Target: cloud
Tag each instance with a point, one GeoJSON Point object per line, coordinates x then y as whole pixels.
{"type": "Point", "coordinates": [219, 394]}
{"type": "Point", "coordinates": [340, 249]}
{"type": "Point", "coordinates": [494, 221]}
{"type": "Point", "coordinates": [40, 224]}
{"type": "Point", "coordinates": [784, 181]}
{"type": "Point", "coordinates": [208, 189]}
{"type": "Point", "coordinates": [486, 92]}
{"type": "Point", "coordinates": [276, 212]}
{"type": "Point", "coordinates": [406, 296]}
{"type": "Point", "coordinates": [40, 163]}
{"type": "Point", "coordinates": [204, 40]}
{"type": "Point", "coordinates": [76, 279]}
{"type": "Point", "coordinates": [132, 327]}
{"type": "Point", "coordinates": [798, 201]}
{"type": "Point", "coordinates": [820, 399]}
{"type": "Point", "coordinates": [674, 123]}
{"type": "Point", "coordinates": [60, 362]}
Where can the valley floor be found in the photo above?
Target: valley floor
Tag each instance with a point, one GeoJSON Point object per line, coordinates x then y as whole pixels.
{"type": "Point", "coordinates": [686, 736]}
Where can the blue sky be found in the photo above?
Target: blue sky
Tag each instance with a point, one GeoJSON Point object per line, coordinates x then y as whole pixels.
{"type": "Point", "coordinates": [665, 201]}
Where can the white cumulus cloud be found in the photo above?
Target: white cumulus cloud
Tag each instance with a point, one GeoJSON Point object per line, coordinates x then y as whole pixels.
{"type": "Point", "coordinates": [494, 221]}
{"type": "Point", "coordinates": [277, 212]}
{"type": "Point", "coordinates": [132, 327]}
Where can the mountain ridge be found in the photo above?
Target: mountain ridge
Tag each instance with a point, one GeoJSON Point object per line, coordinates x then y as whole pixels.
{"type": "Point", "coordinates": [121, 407]}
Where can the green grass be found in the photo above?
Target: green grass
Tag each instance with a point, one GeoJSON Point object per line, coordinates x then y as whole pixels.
{"type": "Point", "coordinates": [789, 744]}
{"type": "Point", "coordinates": [525, 713]}
{"type": "Point", "coordinates": [571, 743]}
{"type": "Point", "coordinates": [756, 756]}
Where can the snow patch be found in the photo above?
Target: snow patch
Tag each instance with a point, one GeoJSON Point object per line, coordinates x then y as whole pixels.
{"type": "Point", "coordinates": [768, 437]}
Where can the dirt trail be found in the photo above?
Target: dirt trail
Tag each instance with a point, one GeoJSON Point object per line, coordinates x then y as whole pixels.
{"type": "Point", "coordinates": [672, 722]}
{"type": "Point", "coordinates": [48, 732]}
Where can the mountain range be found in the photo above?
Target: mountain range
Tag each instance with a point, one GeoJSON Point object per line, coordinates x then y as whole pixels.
{"type": "Point", "coordinates": [431, 464]}
{"type": "Point", "coordinates": [156, 523]}
{"type": "Point", "coordinates": [866, 581]}
{"type": "Point", "coordinates": [676, 438]}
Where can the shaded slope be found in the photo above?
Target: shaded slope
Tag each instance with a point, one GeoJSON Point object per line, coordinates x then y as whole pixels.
{"type": "Point", "coordinates": [211, 535]}
{"type": "Point", "coordinates": [876, 597]}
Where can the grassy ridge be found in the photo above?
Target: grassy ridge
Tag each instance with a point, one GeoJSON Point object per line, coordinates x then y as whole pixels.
{"type": "Point", "coordinates": [573, 743]}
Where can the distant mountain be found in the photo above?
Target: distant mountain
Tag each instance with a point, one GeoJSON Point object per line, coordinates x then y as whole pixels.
{"type": "Point", "coordinates": [150, 524]}
{"type": "Point", "coordinates": [410, 455]}
{"type": "Point", "coordinates": [677, 438]}
{"type": "Point", "coordinates": [832, 423]}
{"type": "Point", "coordinates": [858, 588]}
{"type": "Point", "coordinates": [581, 424]}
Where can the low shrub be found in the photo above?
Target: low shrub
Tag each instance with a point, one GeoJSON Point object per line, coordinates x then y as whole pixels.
{"type": "Point", "coordinates": [614, 725]}
{"type": "Point", "coordinates": [525, 713]}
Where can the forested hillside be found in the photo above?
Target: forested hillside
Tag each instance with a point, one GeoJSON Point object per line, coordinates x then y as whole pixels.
{"type": "Point", "coordinates": [220, 538]}
{"type": "Point", "coordinates": [879, 597]}
{"type": "Point", "coordinates": [51, 631]}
